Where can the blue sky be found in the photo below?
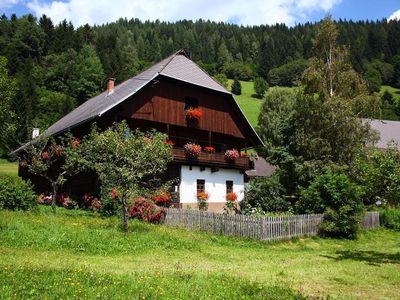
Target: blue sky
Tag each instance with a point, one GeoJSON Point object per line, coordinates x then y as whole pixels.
{"type": "Point", "coordinates": [246, 12]}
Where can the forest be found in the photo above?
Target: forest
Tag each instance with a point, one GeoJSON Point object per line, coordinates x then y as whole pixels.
{"type": "Point", "coordinates": [48, 69]}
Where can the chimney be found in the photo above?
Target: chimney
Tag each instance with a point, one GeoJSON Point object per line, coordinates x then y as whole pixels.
{"type": "Point", "coordinates": [110, 85]}
{"type": "Point", "coordinates": [35, 133]}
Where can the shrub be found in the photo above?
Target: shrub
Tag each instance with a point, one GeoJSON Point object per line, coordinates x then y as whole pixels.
{"type": "Point", "coordinates": [260, 86]}
{"type": "Point", "coordinates": [387, 97]}
{"type": "Point", "coordinates": [266, 194]}
{"type": "Point", "coordinates": [236, 87]}
{"type": "Point", "coordinates": [15, 193]}
{"type": "Point", "coordinates": [222, 79]}
{"type": "Point", "coordinates": [339, 199]}
{"type": "Point", "coordinates": [146, 210]}
{"type": "Point", "coordinates": [390, 218]}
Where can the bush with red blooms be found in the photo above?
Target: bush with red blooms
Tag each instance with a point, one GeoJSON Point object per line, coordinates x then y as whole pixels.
{"type": "Point", "coordinates": [161, 197]}
{"type": "Point", "coordinates": [231, 155]}
{"type": "Point", "coordinates": [193, 114]}
{"type": "Point", "coordinates": [66, 201]}
{"type": "Point", "coordinates": [115, 194]}
{"type": "Point", "coordinates": [209, 149]}
{"type": "Point", "coordinates": [231, 203]}
{"type": "Point", "coordinates": [58, 150]}
{"type": "Point", "coordinates": [192, 150]}
{"type": "Point", "coordinates": [91, 202]}
{"type": "Point", "coordinates": [202, 198]}
{"type": "Point", "coordinates": [146, 210]}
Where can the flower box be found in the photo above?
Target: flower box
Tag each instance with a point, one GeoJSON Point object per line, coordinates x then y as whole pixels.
{"type": "Point", "coordinates": [193, 114]}
{"type": "Point", "coordinates": [231, 155]}
{"type": "Point", "coordinates": [209, 149]}
{"type": "Point", "coordinates": [192, 150]}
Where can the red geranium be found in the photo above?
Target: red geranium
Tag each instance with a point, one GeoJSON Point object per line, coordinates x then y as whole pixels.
{"type": "Point", "coordinates": [169, 142]}
{"type": "Point", "coordinates": [45, 155]}
{"type": "Point", "coordinates": [161, 197]}
{"type": "Point", "coordinates": [232, 154]}
{"type": "Point", "coordinates": [192, 150]}
{"type": "Point", "coordinates": [209, 149]}
{"type": "Point", "coordinates": [202, 196]}
{"type": "Point", "coordinates": [232, 197]}
{"type": "Point", "coordinates": [58, 151]}
{"type": "Point", "coordinates": [194, 113]}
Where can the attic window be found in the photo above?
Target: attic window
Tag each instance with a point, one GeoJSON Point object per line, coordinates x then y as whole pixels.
{"type": "Point", "coordinates": [191, 102]}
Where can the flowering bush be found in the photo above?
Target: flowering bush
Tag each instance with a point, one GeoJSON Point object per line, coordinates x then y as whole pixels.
{"type": "Point", "coordinates": [45, 155]}
{"type": "Point", "coordinates": [209, 149]}
{"type": "Point", "coordinates": [231, 203]}
{"type": "Point", "coordinates": [194, 113]}
{"type": "Point", "coordinates": [114, 194]}
{"type": "Point", "coordinates": [58, 150]}
{"type": "Point", "coordinates": [202, 198]}
{"type": "Point", "coordinates": [232, 154]}
{"type": "Point", "coordinates": [161, 197]}
{"type": "Point", "coordinates": [92, 202]}
{"type": "Point", "coordinates": [75, 143]}
{"type": "Point", "coordinates": [192, 150]}
{"type": "Point", "coordinates": [145, 210]}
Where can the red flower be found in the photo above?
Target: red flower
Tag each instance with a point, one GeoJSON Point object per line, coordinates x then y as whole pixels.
{"type": "Point", "coordinates": [192, 150]}
{"type": "Point", "coordinates": [145, 210]}
{"type": "Point", "coordinates": [58, 151]}
{"type": "Point", "coordinates": [209, 149]}
{"type": "Point", "coordinates": [161, 197]}
{"type": "Point", "coordinates": [202, 196]}
{"type": "Point", "coordinates": [75, 143]}
{"type": "Point", "coordinates": [169, 142]}
{"type": "Point", "coordinates": [115, 194]}
{"type": "Point", "coordinates": [232, 154]}
{"type": "Point", "coordinates": [232, 197]}
{"type": "Point", "coordinates": [45, 155]}
{"type": "Point", "coordinates": [194, 113]}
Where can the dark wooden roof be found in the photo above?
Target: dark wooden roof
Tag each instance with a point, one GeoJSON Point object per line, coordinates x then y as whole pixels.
{"type": "Point", "coordinates": [389, 131]}
{"type": "Point", "coordinates": [177, 66]}
{"type": "Point", "coordinates": [261, 168]}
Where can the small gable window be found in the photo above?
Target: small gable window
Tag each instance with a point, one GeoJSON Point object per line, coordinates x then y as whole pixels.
{"type": "Point", "coordinates": [191, 102]}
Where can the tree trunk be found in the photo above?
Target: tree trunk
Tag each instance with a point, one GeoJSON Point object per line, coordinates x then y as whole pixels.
{"type": "Point", "coordinates": [124, 214]}
{"type": "Point", "coordinates": [54, 196]}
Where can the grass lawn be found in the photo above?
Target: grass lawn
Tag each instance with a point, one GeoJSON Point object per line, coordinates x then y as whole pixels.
{"type": "Point", "coordinates": [248, 103]}
{"type": "Point", "coordinates": [8, 168]}
{"type": "Point", "coordinates": [74, 254]}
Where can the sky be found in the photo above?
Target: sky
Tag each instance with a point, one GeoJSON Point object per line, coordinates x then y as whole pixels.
{"type": "Point", "coordinates": [241, 12]}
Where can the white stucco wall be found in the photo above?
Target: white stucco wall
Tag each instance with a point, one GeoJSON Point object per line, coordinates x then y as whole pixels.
{"type": "Point", "coordinates": [215, 184]}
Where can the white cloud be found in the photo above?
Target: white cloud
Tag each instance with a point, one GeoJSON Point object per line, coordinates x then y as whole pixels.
{"type": "Point", "coordinates": [249, 12]}
{"type": "Point", "coordinates": [395, 15]}
{"type": "Point", "coordinates": [7, 3]}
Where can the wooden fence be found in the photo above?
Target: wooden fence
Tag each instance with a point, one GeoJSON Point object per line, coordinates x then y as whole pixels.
{"type": "Point", "coordinates": [261, 228]}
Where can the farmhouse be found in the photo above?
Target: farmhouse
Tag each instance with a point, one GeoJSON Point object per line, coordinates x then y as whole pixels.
{"type": "Point", "coordinates": [176, 97]}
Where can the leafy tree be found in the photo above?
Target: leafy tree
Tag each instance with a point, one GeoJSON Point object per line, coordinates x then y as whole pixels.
{"type": "Point", "coordinates": [378, 173]}
{"type": "Point", "coordinates": [374, 80]}
{"type": "Point", "coordinates": [339, 199]}
{"type": "Point", "coordinates": [222, 79]}
{"type": "Point", "coordinates": [238, 70]}
{"type": "Point", "coordinates": [236, 87]}
{"type": "Point", "coordinates": [288, 74]}
{"type": "Point", "coordinates": [266, 194]}
{"type": "Point", "coordinates": [260, 86]}
{"type": "Point", "coordinates": [387, 97]}
{"type": "Point", "coordinates": [7, 116]}
{"type": "Point", "coordinates": [129, 162]}
{"type": "Point", "coordinates": [46, 158]}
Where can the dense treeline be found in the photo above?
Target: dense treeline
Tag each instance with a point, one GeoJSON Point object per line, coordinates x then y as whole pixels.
{"type": "Point", "coordinates": [57, 67]}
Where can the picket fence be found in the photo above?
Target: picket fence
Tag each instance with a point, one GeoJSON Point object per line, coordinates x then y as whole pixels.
{"type": "Point", "coordinates": [261, 228]}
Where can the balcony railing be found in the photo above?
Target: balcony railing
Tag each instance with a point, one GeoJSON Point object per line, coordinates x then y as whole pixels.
{"type": "Point", "coordinates": [212, 159]}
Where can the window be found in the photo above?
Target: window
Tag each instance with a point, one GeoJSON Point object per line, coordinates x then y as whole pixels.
{"type": "Point", "coordinates": [191, 102]}
{"type": "Point", "coordinates": [201, 184]}
{"type": "Point", "coordinates": [229, 186]}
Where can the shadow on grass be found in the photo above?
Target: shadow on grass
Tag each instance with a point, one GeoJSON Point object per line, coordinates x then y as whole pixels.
{"type": "Point", "coordinates": [370, 257]}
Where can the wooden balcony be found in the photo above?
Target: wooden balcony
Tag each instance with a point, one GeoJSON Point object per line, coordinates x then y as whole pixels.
{"type": "Point", "coordinates": [212, 160]}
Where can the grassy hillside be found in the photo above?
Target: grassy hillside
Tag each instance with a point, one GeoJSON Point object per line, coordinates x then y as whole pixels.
{"type": "Point", "coordinates": [248, 102]}
{"type": "Point", "coordinates": [388, 111]}
{"type": "Point", "coordinates": [74, 254]}
{"type": "Point", "coordinates": [9, 168]}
